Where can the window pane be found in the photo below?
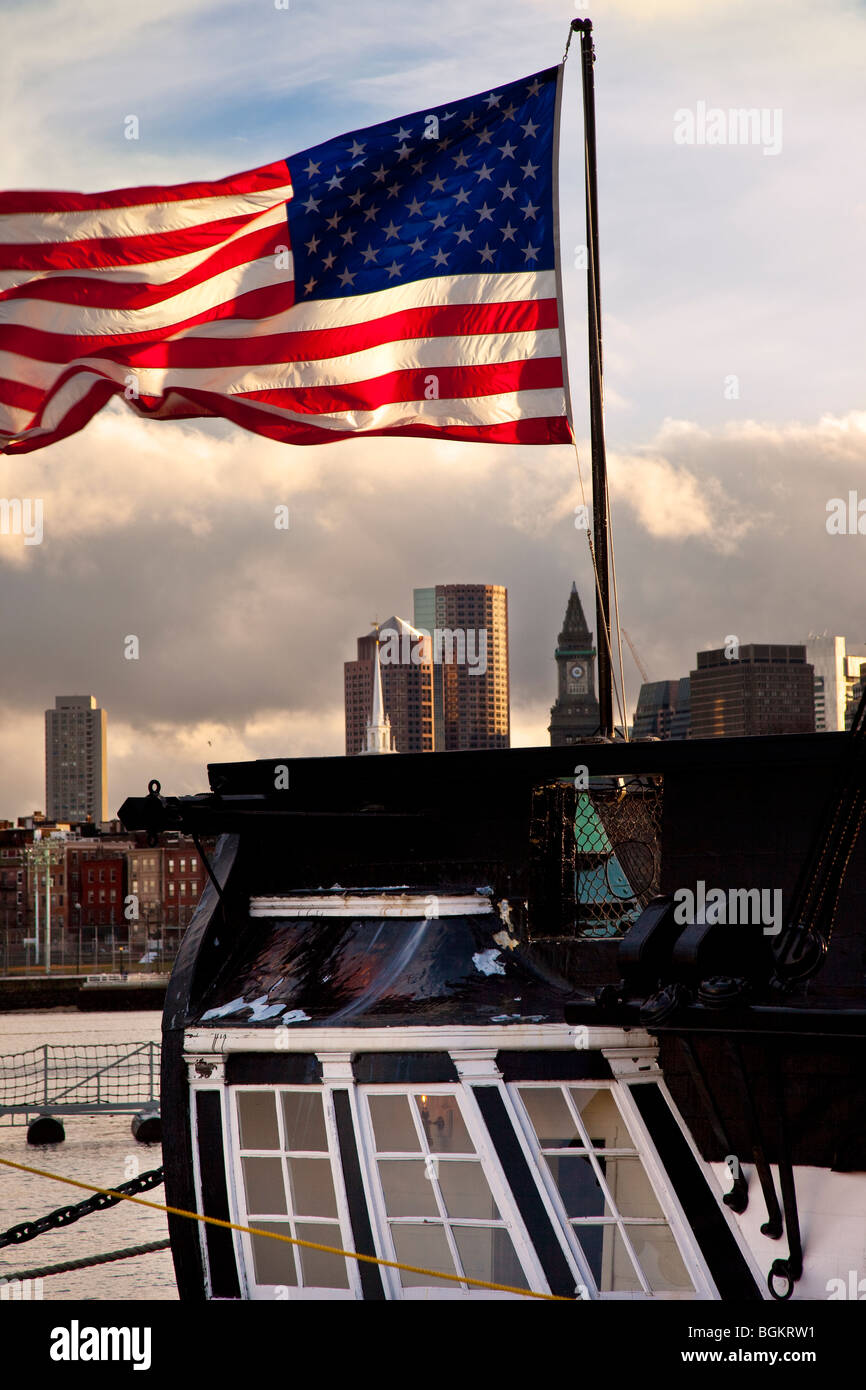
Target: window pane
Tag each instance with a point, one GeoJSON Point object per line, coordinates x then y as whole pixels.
{"type": "Point", "coordinates": [578, 1186]}
{"type": "Point", "coordinates": [407, 1188]}
{"type": "Point", "coordinates": [318, 1270]}
{"type": "Point", "coordinates": [489, 1254]}
{"type": "Point", "coordinates": [258, 1120]}
{"type": "Point", "coordinates": [425, 1246]}
{"type": "Point", "coordinates": [393, 1125]}
{"type": "Point", "coordinates": [263, 1182]}
{"type": "Point", "coordinates": [444, 1125]}
{"type": "Point", "coordinates": [274, 1260]}
{"type": "Point", "coordinates": [608, 1259]}
{"type": "Point", "coordinates": [466, 1190]}
{"type": "Point", "coordinates": [312, 1187]}
{"type": "Point", "coordinates": [630, 1188]}
{"type": "Point", "coordinates": [304, 1118]}
{"type": "Point", "coordinates": [659, 1258]}
{"type": "Point", "coordinates": [551, 1118]}
{"type": "Point", "coordinates": [599, 1113]}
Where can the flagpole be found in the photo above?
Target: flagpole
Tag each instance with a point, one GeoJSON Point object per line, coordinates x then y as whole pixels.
{"type": "Point", "coordinates": [596, 394]}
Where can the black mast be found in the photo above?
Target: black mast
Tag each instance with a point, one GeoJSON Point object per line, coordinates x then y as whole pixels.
{"type": "Point", "coordinates": [596, 416]}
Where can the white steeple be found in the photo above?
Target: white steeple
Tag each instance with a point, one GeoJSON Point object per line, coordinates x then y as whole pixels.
{"type": "Point", "coordinates": [379, 738]}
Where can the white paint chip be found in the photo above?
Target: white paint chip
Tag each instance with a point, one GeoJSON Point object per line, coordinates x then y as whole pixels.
{"type": "Point", "coordinates": [487, 964]}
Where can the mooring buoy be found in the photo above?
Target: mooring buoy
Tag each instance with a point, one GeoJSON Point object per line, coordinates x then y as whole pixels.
{"type": "Point", "coordinates": [147, 1127]}
{"type": "Point", "coordinates": [45, 1129]}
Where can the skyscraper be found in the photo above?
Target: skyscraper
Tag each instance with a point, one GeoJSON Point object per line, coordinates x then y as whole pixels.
{"type": "Point", "coordinates": [575, 715]}
{"type": "Point", "coordinates": [468, 627]}
{"type": "Point", "coordinates": [407, 688]}
{"type": "Point", "coordinates": [762, 690]}
{"type": "Point", "coordinates": [663, 710]}
{"type": "Point", "coordinates": [76, 760]}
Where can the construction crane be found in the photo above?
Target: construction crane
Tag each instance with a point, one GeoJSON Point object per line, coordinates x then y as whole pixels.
{"type": "Point", "coordinates": [637, 661]}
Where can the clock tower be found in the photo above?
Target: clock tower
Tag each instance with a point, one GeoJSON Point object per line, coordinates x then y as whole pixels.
{"type": "Point", "coordinates": [575, 716]}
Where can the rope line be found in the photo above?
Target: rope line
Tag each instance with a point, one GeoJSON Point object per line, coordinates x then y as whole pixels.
{"type": "Point", "coordinates": [288, 1240]}
{"type": "Point", "coordinates": [85, 1263]}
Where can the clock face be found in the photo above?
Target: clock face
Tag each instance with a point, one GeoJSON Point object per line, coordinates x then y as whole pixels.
{"type": "Point", "coordinates": [576, 672]}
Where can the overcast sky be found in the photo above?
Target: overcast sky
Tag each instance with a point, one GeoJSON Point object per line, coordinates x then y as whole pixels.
{"type": "Point", "coordinates": [733, 304]}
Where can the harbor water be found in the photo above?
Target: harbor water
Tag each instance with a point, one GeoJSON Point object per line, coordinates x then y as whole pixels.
{"type": "Point", "coordinates": [98, 1149]}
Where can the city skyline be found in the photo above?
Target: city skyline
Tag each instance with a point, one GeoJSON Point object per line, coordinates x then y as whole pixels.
{"type": "Point", "coordinates": [733, 383]}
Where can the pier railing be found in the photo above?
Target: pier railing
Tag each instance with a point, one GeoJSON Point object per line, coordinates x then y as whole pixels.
{"type": "Point", "coordinates": [78, 1079]}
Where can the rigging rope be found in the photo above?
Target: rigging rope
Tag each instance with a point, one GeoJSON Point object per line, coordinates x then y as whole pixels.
{"type": "Point", "coordinates": [119, 1195]}
{"type": "Point", "coordinates": [88, 1260]}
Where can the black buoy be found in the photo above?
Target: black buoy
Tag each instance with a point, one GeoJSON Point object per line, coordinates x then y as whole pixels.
{"type": "Point", "coordinates": [147, 1127]}
{"type": "Point", "coordinates": [45, 1130]}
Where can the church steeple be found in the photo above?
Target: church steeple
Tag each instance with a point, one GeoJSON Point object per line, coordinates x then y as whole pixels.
{"type": "Point", "coordinates": [575, 715]}
{"type": "Point", "coordinates": [379, 738]}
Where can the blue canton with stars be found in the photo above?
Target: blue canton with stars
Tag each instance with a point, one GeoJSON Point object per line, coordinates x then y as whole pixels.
{"type": "Point", "coordinates": [454, 190]}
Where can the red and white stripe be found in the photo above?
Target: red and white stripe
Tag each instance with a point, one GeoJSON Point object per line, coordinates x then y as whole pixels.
{"type": "Point", "coordinates": [181, 300]}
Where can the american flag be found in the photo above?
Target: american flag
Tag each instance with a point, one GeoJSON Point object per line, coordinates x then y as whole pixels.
{"type": "Point", "coordinates": [399, 280]}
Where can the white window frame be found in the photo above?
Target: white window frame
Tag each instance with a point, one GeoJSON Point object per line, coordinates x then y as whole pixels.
{"type": "Point", "coordinates": [674, 1217]}
{"type": "Point", "coordinates": [234, 1172]}
{"type": "Point", "coordinates": [485, 1153]}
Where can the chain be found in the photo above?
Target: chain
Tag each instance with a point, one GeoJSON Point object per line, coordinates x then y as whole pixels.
{"type": "Point", "coordinates": [64, 1216]}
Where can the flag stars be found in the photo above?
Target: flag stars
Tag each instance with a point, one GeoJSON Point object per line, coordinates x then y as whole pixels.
{"type": "Point", "coordinates": [484, 137]}
{"type": "Point", "coordinates": [529, 169]}
{"type": "Point", "coordinates": [461, 160]}
{"type": "Point", "coordinates": [349, 236]}
{"type": "Point", "coordinates": [336, 180]}
{"type": "Point", "coordinates": [394, 189]}
{"type": "Point", "coordinates": [404, 151]}
{"type": "Point", "coordinates": [486, 255]}
{"type": "Point", "coordinates": [328, 261]}
{"type": "Point", "coordinates": [310, 285]}
{"type": "Point", "coordinates": [394, 269]}
{"type": "Point", "coordinates": [402, 134]}
{"type": "Point", "coordinates": [531, 252]}
{"type": "Point", "coordinates": [508, 113]}
{"type": "Point", "coordinates": [508, 190]}
{"type": "Point", "coordinates": [441, 257]}
{"type": "Point", "coordinates": [419, 166]}
{"type": "Point", "coordinates": [507, 150]}
{"type": "Point", "coordinates": [414, 208]}
{"type": "Point", "coordinates": [356, 150]}
{"type": "Point", "coordinates": [493, 99]}
{"type": "Point", "coordinates": [463, 235]}
{"type": "Point", "coordinates": [484, 173]}
{"type": "Point", "coordinates": [485, 214]}
{"type": "Point", "coordinates": [312, 204]}
{"type": "Point", "coordinates": [442, 145]}
{"type": "Point", "coordinates": [355, 198]}
{"type": "Point", "coordinates": [529, 129]}
{"type": "Point", "coordinates": [461, 196]}
{"type": "Point", "coordinates": [370, 254]}
{"type": "Point", "coordinates": [312, 169]}
{"type": "Point", "coordinates": [534, 88]}
{"type": "Point", "coordinates": [508, 232]}
{"type": "Point", "coordinates": [437, 185]}
{"type": "Point", "coordinates": [372, 213]}
{"type": "Point", "coordinates": [391, 231]}
{"type": "Point", "coordinates": [469, 123]}
{"type": "Point", "coordinates": [379, 174]}
{"type": "Point", "coordinates": [313, 244]}
{"type": "Point", "coordinates": [417, 245]}
{"type": "Point", "coordinates": [347, 277]}
{"type": "Point", "coordinates": [438, 221]}
{"type": "Point", "coordinates": [529, 211]}
{"type": "Point", "coordinates": [333, 222]}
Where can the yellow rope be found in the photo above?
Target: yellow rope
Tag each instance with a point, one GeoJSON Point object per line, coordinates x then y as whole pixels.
{"type": "Point", "coordinates": [289, 1240]}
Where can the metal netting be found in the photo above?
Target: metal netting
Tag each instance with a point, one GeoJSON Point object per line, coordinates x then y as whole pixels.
{"type": "Point", "coordinates": [81, 1078]}
{"type": "Point", "coordinates": [597, 855]}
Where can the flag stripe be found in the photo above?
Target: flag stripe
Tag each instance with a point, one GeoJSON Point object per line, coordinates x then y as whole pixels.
{"type": "Point", "coordinates": [268, 180]}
